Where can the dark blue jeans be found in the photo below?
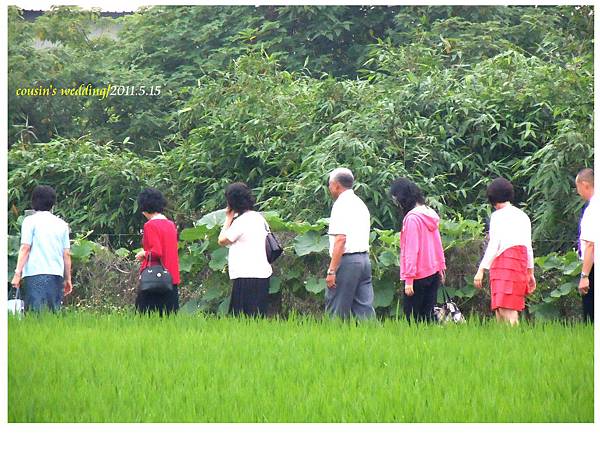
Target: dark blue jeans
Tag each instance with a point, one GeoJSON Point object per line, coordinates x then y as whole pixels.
{"type": "Point", "coordinates": [43, 292]}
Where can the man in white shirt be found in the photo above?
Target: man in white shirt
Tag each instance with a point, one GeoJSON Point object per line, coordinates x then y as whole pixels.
{"type": "Point", "coordinates": [349, 283]}
{"type": "Point", "coordinates": [588, 227]}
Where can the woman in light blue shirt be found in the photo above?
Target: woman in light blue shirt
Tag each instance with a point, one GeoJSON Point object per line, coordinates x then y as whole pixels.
{"type": "Point", "coordinates": [44, 262]}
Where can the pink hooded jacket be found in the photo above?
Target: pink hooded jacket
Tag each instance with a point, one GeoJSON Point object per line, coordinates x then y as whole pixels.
{"type": "Point", "coordinates": [421, 251]}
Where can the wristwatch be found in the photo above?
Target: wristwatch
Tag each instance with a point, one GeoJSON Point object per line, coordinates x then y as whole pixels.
{"type": "Point", "coordinates": [584, 275]}
{"type": "Point", "coordinates": [331, 272]}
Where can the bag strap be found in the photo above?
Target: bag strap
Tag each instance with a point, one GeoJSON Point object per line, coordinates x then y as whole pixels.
{"type": "Point", "coordinates": [445, 294]}
{"type": "Point", "coordinates": [267, 226]}
{"type": "Point", "coordinates": [17, 293]}
{"type": "Point", "coordinates": [150, 258]}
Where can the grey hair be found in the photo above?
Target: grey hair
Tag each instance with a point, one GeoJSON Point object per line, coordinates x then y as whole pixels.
{"type": "Point", "coordinates": [343, 176]}
{"type": "Point", "coordinates": [585, 175]}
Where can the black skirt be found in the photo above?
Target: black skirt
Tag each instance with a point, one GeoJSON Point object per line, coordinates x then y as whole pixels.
{"type": "Point", "coordinates": [163, 303]}
{"type": "Point", "coordinates": [249, 296]}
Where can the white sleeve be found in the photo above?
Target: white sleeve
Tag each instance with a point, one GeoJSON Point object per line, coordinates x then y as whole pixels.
{"type": "Point", "coordinates": [492, 247]}
{"type": "Point", "coordinates": [588, 224]}
{"type": "Point", "coordinates": [65, 239]}
{"type": "Point", "coordinates": [529, 246]}
{"type": "Point", "coordinates": [234, 231]}
{"type": "Point", "coordinates": [338, 223]}
{"type": "Point", "coordinates": [27, 231]}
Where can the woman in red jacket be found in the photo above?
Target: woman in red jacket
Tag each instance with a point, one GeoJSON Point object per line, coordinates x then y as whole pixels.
{"type": "Point", "coordinates": [160, 246]}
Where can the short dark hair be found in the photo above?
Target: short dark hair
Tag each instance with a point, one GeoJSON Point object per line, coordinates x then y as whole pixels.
{"type": "Point", "coordinates": [151, 200]}
{"type": "Point", "coordinates": [43, 198]}
{"type": "Point", "coordinates": [500, 190]}
{"type": "Point", "coordinates": [406, 193]}
{"type": "Point", "coordinates": [239, 197]}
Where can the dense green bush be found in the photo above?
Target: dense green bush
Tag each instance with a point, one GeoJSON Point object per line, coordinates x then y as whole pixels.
{"type": "Point", "coordinates": [281, 132]}
{"type": "Point", "coordinates": [97, 186]}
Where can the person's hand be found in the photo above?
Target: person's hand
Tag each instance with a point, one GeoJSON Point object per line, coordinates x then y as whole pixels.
{"type": "Point", "coordinates": [68, 287]}
{"type": "Point", "coordinates": [409, 290]}
{"type": "Point", "coordinates": [229, 213]}
{"type": "Point", "coordinates": [16, 281]}
{"type": "Point", "coordinates": [140, 255]}
{"type": "Point", "coordinates": [330, 280]}
{"type": "Point", "coordinates": [584, 285]}
{"type": "Point", "coordinates": [478, 279]}
{"type": "Point", "coordinates": [531, 285]}
{"type": "Point", "coordinates": [443, 277]}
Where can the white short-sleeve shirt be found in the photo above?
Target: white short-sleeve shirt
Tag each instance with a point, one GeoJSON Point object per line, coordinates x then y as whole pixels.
{"type": "Point", "coordinates": [48, 236]}
{"type": "Point", "coordinates": [247, 254]}
{"type": "Point", "coordinates": [589, 225]}
{"type": "Point", "coordinates": [350, 217]}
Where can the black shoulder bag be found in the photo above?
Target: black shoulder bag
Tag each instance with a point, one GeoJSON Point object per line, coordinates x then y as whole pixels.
{"type": "Point", "coordinates": [155, 279]}
{"type": "Point", "coordinates": [272, 246]}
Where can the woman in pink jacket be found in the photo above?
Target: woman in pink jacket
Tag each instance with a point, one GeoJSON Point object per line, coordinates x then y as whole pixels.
{"type": "Point", "coordinates": [422, 262]}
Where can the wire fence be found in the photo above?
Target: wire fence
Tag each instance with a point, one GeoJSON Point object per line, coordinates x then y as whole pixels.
{"type": "Point", "coordinates": [134, 240]}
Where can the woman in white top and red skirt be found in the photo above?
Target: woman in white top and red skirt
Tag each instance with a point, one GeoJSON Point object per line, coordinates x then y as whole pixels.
{"type": "Point", "coordinates": [509, 254]}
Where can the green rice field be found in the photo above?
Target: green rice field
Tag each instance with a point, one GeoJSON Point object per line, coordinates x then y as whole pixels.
{"type": "Point", "coordinates": [83, 367]}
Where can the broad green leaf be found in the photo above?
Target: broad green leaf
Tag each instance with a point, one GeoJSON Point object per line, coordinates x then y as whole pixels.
{"type": "Point", "coordinates": [212, 220]}
{"type": "Point", "coordinates": [190, 307]}
{"type": "Point", "coordinates": [275, 222]}
{"type": "Point", "coordinates": [193, 234]}
{"type": "Point", "coordinates": [186, 262]}
{"type": "Point", "coordinates": [572, 268]}
{"type": "Point", "coordinates": [224, 307]}
{"type": "Point", "coordinates": [218, 259]}
{"type": "Point", "coordinates": [214, 292]}
{"type": "Point", "coordinates": [311, 242]}
{"type": "Point", "coordinates": [122, 252]}
{"type": "Point", "coordinates": [82, 250]}
{"type": "Point", "coordinates": [389, 258]}
{"type": "Point", "coordinates": [545, 311]}
{"type": "Point", "coordinates": [315, 285]}
{"type": "Point", "coordinates": [274, 285]}
{"type": "Point", "coordinates": [468, 291]}
{"type": "Point", "coordinates": [385, 291]}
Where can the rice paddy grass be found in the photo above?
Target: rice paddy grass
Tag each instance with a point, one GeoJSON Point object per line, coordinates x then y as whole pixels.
{"type": "Point", "coordinates": [84, 367]}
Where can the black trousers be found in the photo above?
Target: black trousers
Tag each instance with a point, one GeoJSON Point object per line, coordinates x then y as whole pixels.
{"type": "Point", "coordinates": [420, 305]}
{"type": "Point", "coordinates": [588, 300]}
{"type": "Point", "coordinates": [249, 296]}
{"type": "Point", "coordinates": [168, 303]}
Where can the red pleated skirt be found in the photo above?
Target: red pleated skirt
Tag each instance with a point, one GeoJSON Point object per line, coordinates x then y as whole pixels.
{"type": "Point", "coordinates": [508, 279]}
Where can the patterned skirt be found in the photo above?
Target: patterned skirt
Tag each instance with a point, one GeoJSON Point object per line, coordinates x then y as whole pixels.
{"type": "Point", "coordinates": [509, 279]}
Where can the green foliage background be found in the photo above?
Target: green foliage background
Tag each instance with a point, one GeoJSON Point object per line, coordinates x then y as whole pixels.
{"type": "Point", "coordinates": [450, 96]}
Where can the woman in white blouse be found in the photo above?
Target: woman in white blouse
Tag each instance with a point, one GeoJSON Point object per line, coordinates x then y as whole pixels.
{"type": "Point", "coordinates": [509, 254]}
{"type": "Point", "coordinates": [245, 232]}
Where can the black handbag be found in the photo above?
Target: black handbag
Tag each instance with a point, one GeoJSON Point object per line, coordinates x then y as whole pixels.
{"type": "Point", "coordinates": [155, 279]}
{"type": "Point", "coordinates": [272, 246]}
